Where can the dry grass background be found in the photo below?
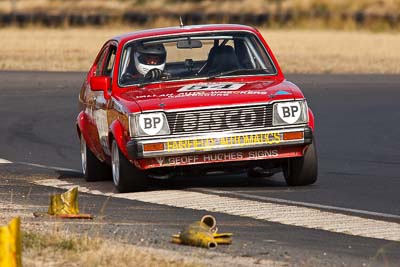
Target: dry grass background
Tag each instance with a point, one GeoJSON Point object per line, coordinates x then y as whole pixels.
{"type": "Point", "coordinates": [335, 51]}
{"type": "Point", "coordinates": [297, 51]}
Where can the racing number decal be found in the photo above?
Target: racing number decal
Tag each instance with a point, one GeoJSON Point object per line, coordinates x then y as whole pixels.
{"type": "Point", "coordinates": [211, 87]}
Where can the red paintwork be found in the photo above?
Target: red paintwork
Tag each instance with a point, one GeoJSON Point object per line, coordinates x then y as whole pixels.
{"type": "Point", "coordinates": [117, 131]}
{"type": "Point", "coordinates": [150, 97]}
{"type": "Point", "coordinates": [257, 89]}
{"type": "Point", "coordinates": [88, 130]}
{"type": "Point", "coordinates": [311, 119]}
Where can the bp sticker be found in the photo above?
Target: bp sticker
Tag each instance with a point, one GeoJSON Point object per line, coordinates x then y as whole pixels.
{"type": "Point", "coordinates": [152, 123]}
{"type": "Point", "coordinates": [289, 112]}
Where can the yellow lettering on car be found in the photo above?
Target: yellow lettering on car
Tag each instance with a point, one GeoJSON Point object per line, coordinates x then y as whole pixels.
{"type": "Point", "coordinates": [182, 144]}
{"type": "Point", "coordinates": [211, 142]}
{"type": "Point", "coordinates": [269, 138]}
{"type": "Point", "coordinates": [176, 145]}
{"type": "Point", "coordinates": [242, 140]}
{"type": "Point", "coordinates": [195, 143]}
{"type": "Point", "coordinates": [189, 143]}
{"type": "Point", "coordinates": [169, 146]}
{"type": "Point", "coordinates": [248, 139]}
{"type": "Point", "coordinates": [223, 141]}
{"type": "Point", "coordinates": [277, 138]}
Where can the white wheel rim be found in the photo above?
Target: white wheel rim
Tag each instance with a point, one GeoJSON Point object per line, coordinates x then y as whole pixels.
{"type": "Point", "coordinates": [83, 155]}
{"type": "Point", "coordinates": [115, 162]}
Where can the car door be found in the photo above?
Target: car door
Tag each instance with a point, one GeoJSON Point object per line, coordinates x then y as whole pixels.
{"type": "Point", "coordinates": [87, 103]}
{"type": "Point", "coordinates": [100, 101]}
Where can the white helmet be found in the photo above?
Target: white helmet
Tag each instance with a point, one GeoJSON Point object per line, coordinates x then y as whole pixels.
{"type": "Point", "coordinates": [150, 57]}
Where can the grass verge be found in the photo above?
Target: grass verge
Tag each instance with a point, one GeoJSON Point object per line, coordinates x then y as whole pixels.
{"type": "Point", "coordinates": [69, 250]}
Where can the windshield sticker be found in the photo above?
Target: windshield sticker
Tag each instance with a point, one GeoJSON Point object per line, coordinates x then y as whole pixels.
{"type": "Point", "coordinates": [211, 87]}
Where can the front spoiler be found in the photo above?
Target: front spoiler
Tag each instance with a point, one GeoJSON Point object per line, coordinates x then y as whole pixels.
{"type": "Point", "coordinates": [229, 157]}
{"type": "Point", "coordinates": [217, 142]}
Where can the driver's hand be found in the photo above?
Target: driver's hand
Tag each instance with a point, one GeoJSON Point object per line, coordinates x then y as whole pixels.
{"type": "Point", "coordinates": [127, 77]}
{"type": "Point", "coordinates": [153, 74]}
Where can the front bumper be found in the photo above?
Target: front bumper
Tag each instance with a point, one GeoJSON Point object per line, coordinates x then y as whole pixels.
{"type": "Point", "coordinates": [165, 146]}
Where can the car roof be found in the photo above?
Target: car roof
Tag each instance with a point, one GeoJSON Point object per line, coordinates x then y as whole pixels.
{"type": "Point", "coordinates": [181, 30]}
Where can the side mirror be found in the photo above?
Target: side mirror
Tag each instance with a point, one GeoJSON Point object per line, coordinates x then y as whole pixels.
{"type": "Point", "coordinates": [100, 83]}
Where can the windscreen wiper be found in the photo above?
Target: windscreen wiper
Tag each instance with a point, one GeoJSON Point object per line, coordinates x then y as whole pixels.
{"type": "Point", "coordinates": [247, 71]}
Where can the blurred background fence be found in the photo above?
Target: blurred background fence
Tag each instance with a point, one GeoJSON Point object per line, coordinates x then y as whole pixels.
{"type": "Point", "coordinates": [370, 14]}
{"type": "Point", "coordinates": [359, 18]}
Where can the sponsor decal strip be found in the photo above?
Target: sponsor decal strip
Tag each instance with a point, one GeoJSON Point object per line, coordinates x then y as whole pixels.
{"type": "Point", "coordinates": [221, 157]}
{"type": "Point", "coordinates": [239, 140]}
{"type": "Point", "coordinates": [216, 93]}
{"type": "Point", "coordinates": [287, 214]}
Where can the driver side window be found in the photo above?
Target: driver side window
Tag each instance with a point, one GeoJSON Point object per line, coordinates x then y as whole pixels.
{"type": "Point", "coordinates": [105, 65]}
{"type": "Point", "coordinates": [109, 62]}
{"type": "Point", "coordinates": [100, 63]}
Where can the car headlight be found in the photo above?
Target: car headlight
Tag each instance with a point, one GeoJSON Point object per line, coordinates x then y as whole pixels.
{"type": "Point", "coordinates": [293, 112]}
{"type": "Point", "coordinates": [148, 124]}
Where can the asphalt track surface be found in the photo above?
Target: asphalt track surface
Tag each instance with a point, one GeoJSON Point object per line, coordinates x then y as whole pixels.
{"type": "Point", "coordinates": [357, 132]}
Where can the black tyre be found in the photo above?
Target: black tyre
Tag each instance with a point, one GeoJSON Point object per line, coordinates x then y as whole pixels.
{"type": "Point", "coordinates": [126, 177]}
{"type": "Point", "coordinates": [302, 170]}
{"type": "Point", "coordinates": [93, 169]}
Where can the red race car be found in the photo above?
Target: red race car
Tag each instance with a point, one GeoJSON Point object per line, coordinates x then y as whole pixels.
{"type": "Point", "coordinates": [192, 99]}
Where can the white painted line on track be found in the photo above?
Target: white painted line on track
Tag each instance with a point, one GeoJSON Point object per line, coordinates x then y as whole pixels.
{"type": "Point", "coordinates": [48, 167]}
{"type": "Point", "coordinates": [287, 214]}
{"type": "Point", "coordinates": [300, 203]}
{"type": "Point", "coordinates": [4, 161]}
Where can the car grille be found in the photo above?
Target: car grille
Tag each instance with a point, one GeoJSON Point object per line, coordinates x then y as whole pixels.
{"type": "Point", "coordinates": [222, 119]}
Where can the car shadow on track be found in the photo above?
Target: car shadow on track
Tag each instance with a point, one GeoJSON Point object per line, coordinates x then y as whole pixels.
{"type": "Point", "coordinates": [218, 181]}
{"type": "Point", "coordinates": [69, 174]}
{"type": "Point", "coordinates": [182, 182]}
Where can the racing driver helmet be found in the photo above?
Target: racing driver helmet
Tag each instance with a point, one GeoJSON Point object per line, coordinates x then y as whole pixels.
{"type": "Point", "coordinates": [149, 57]}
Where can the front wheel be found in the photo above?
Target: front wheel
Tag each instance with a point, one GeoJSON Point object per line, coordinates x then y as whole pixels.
{"type": "Point", "coordinates": [93, 169]}
{"type": "Point", "coordinates": [302, 170]}
{"type": "Point", "coordinates": [126, 177]}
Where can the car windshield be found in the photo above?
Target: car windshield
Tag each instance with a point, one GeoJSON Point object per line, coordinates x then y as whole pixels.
{"type": "Point", "coordinates": [203, 55]}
